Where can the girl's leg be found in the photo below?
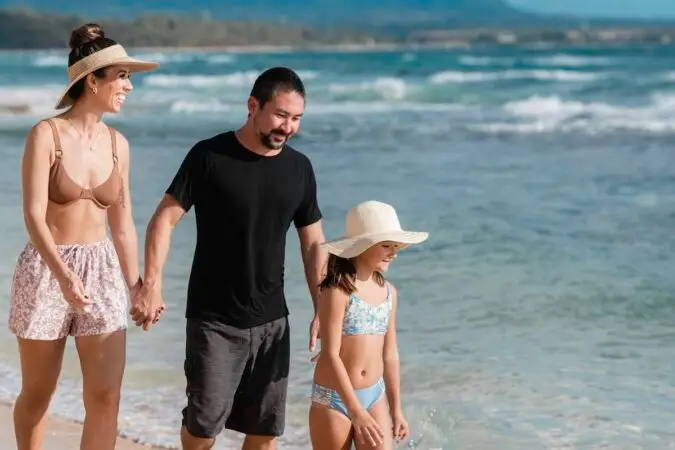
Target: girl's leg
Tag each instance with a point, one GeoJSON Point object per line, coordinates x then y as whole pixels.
{"type": "Point", "coordinates": [40, 369]}
{"type": "Point", "coordinates": [102, 358]}
{"type": "Point", "coordinates": [329, 429]}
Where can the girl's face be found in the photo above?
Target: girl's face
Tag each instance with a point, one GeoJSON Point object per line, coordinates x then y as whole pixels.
{"type": "Point", "coordinates": [378, 257]}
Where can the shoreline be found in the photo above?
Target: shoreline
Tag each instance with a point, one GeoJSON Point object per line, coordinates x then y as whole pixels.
{"type": "Point", "coordinates": [62, 433]}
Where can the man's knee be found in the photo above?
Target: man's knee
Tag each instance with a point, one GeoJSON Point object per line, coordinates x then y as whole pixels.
{"type": "Point", "coordinates": [203, 423]}
{"type": "Point", "coordinates": [192, 442]}
{"type": "Point", "coordinates": [255, 442]}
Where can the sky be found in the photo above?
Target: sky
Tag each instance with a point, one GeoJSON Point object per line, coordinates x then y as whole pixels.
{"type": "Point", "coordinates": [606, 8]}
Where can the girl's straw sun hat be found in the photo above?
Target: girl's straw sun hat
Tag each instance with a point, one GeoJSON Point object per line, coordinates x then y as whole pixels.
{"type": "Point", "coordinates": [370, 223]}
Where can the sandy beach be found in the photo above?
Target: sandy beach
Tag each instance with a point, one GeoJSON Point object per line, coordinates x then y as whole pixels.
{"type": "Point", "coordinates": [61, 434]}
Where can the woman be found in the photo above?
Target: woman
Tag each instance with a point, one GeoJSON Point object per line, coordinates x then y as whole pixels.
{"type": "Point", "coordinates": [70, 278]}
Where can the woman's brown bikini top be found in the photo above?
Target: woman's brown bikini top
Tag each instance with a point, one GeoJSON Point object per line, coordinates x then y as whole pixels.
{"type": "Point", "coordinates": [64, 191]}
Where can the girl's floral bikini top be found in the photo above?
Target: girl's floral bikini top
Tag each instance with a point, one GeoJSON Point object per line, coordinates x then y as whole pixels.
{"type": "Point", "coordinates": [364, 318]}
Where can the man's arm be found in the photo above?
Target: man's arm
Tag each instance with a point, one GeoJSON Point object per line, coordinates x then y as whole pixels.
{"type": "Point", "coordinates": [148, 303]}
{"type": "Point", "coordinates": [314, 261]}
{"type": "Point", "coordinates": [307, 221]}
{"type": "Point", "coordinates": [313, 258]}
{"type": "Point", "coordinates": [177, 200]}
{"type": "Point", "coordinates": [158, 238]}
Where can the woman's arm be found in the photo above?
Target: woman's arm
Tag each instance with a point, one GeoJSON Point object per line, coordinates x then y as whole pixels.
{"type": "Point", "coordinates": [332, 305]}
{"type": "Point", "coordinates": [392, 379]}
{"type": "Point", "coordinates": [121, 221]}
{"type": "Point", "coordinates": [35, 165]}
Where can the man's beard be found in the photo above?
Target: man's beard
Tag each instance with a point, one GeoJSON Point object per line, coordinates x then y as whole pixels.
{"type": "Point", "coordinates": [267, 139]}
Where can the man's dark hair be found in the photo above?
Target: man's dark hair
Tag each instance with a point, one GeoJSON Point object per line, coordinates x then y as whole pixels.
{"type": "Point", "coordinates": [274, 80]}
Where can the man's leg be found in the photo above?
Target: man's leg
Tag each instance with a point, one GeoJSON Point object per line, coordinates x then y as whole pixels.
{"type": "Point", "coordinates": [215, 358]}
{"type": "Point", "coordinates": [259, 408]}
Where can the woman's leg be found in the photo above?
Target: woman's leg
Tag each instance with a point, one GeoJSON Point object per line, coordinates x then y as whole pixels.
{"type": "Point", "coordinates": [102, 358]}
{"type": "Point", "coordinates": [40, 369]}
{"type": "Point", "coordinates": [100, 337]}
{"type": "Point", "coordinates": [329, 429]}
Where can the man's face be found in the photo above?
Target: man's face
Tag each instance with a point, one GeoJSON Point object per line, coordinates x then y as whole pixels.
{"type": "Point", "coordinates": [278, 119]}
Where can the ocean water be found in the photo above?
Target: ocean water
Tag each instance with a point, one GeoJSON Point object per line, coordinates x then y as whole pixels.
{"type": "Point", "coordinates": [539, 314]}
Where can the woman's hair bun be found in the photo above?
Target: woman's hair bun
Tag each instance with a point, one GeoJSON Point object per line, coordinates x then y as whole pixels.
{"type": "Point", "coordinates": [85, 34]}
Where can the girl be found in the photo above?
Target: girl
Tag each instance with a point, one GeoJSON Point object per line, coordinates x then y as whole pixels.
{"type": "Point", "coordinates": [359, 362]}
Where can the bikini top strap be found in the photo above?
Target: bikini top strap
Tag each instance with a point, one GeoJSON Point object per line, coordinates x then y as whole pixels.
{"type": "Point", "coordinates": [113, 138]}
{"type": "Point", "coordinates": [58, 151]}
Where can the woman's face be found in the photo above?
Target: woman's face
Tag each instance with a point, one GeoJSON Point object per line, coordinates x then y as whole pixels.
{"type": "Point", "coordinates": [112, 90]}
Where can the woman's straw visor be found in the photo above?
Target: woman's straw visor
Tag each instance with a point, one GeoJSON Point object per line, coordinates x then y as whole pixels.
{"type": "Point", "coordinates": [113, 55]}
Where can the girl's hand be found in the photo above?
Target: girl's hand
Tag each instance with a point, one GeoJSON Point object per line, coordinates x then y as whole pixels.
{"type": "Point", "coordinates": [400, 427]}
{"type": "Point", "coordinates": [367, 430]}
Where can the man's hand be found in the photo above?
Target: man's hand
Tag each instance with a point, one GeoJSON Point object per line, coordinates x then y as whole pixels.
{"type": "Point", "coordinates": [314, 333]}
{"type": "Point", "coordinates": [147, 306]}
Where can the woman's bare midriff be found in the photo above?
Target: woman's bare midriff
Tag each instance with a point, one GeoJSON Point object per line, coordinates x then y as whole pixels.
{"type": "Point", "coordinates": [361, 356]}
{"type": "Point", "coordinates": [81, 222]}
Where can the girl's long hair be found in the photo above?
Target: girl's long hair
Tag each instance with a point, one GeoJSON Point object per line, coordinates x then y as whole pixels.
{"type": "Point", "coordinates": [340, 273]}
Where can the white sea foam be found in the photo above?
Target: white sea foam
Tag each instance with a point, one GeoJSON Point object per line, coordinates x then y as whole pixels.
{"type": "Point", "coordinates": [558, 60]}
{"type": "Point", "coordinates": [321, 108]}
{"type": "Point", "coordinates": [235, 79]}
{"type": "Point", "coordinates": [164, 58]}
{"type": "Point", "coordinates": [469, 60]}
{"type": "Point", "coordinates": [51, 60]}
{"type": "Point", "coordinates": [201, 81]}
{"type": "Point", "coordinates": [539, 114]}
{"type": "Point", "coordinates": [389, 88]}
{"type": "Point", "coordinates": [221, 58]}
{"type": "Point", "coordinates": [567, 60]}
{"type": "Point", "coordinates": [28, 100]}
{"type": "Point", "coordinates": [454, 76]}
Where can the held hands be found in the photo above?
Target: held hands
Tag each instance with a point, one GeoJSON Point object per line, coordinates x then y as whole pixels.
{"type": "Point", "coordinates": [399, 427]}
{"type": "Point", "coordinates": [73, 291]}
{"type": "Point", "coordinates": [147, 304]}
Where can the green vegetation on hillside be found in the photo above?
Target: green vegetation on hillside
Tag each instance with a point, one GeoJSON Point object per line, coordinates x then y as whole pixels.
{"type": "Point", "coordinates": [29, 29]}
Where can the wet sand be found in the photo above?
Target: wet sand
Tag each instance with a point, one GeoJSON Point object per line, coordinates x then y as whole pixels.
{"type": "Point", "coordinates": [60, 434]}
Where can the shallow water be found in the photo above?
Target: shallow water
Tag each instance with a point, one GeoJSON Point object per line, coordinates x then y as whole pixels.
{"type": "Point", "coordinates": [539, 313]}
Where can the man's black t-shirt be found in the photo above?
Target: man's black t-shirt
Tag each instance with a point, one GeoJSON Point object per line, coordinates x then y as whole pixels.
{"type": "Point", "coordinates": [244, 205]}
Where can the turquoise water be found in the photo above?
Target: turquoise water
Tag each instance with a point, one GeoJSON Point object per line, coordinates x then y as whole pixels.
{"type": "Point", "coordinates": [537, 316]}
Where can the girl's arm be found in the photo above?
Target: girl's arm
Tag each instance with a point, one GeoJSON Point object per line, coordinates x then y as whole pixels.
{"type": "Point", "coordinates": [332, 305]}
{"type": "Point", "coordinates": [392, 379]}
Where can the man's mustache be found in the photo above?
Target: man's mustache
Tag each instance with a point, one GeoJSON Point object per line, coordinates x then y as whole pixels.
{"type": "Point", "coordinates": [279, 133]}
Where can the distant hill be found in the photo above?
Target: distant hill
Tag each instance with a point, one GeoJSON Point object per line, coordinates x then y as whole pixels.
{"type": "Point", "coordinates": [319, 11]}
{"type": "Point", "coordinates": [375, 17]}
{"type": "Point", "coordinates": [32, 30]}
{"type": "Point", "coordinates": [309, 12]}
{"type": "Point", "coordinates": [205, 23]}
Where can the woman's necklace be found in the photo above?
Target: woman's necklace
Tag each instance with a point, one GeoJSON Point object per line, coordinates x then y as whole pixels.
{"type": "Point", "coordinates": [91, 145]}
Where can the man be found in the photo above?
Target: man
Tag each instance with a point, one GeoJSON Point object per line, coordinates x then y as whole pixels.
{"type": "Point", "coordinates": [247, 187]}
